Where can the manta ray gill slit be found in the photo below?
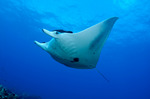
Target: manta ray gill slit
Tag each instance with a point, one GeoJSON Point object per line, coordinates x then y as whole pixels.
{"type": "Point", "coordinates": [75, 60]}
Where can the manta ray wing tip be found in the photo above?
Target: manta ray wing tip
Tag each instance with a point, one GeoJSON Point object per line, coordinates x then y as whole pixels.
{"type": "Point", "coordinates": [115, 18]}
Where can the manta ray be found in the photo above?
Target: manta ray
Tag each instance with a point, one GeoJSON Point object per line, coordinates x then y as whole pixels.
{"type": "Point", "coordinates": [79, 50]}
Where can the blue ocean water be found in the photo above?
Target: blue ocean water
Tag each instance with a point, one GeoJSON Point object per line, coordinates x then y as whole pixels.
{"type": "Point", "coordinates": [124, 60]}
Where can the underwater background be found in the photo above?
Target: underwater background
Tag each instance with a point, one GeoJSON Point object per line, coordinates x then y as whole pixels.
{"type": "Point", "coordinates": [124, 60]}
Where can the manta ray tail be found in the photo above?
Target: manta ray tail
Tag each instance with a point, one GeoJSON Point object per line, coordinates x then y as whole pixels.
{"type": "Point", "coordinates": [102, 75]}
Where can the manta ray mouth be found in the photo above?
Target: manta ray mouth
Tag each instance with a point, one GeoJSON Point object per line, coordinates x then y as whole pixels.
{"type": "Point", "coordinates": [62, 31]}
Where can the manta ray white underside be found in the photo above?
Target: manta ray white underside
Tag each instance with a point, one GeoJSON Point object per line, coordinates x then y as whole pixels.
{"type": "Point", "coordinates": [79, 50]}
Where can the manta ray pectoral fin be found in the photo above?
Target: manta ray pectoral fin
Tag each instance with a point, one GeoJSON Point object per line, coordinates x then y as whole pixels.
{"type": "Point", "coordinates": [50, 33]}
{"type": "Point", "coordinates": [103, 30]}
{"type": "Point", "coordinates": [96, 35]}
